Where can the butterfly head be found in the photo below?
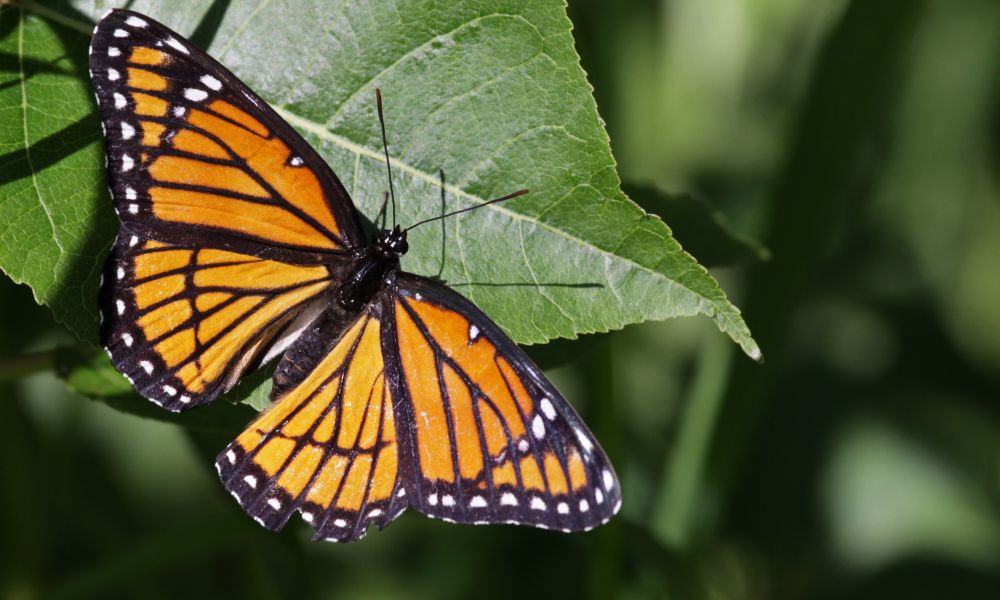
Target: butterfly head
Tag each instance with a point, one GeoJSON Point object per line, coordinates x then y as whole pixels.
{"type": "Point", "coordinates": [392, 242]}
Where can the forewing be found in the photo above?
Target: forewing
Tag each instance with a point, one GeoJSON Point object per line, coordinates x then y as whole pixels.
{"type": "Point", "coordinates": [183, 323]}
{"type": "Point", "coordinates": [327, 446]}
{"type": "Point", "coordinates": [195, 157]}
{"type": "Point", "coordinates": [484, 436]}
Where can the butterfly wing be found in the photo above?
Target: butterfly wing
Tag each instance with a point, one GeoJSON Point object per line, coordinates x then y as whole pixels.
{"type": "Point", "coordinates": [195, 157]}
{"type": "Point", "coordinates": [232, 226]}
{"type": "Point", "coordinates": [484, 437]}
{"type": "Point", "coordinates": [327, 446]}
{"type": "Point", "coordinates": [183, 323]}
{"type": "Point", "coordinates": [420, 401]}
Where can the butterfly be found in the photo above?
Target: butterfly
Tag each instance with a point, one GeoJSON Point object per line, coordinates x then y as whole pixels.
{"type": "Point", "coordinates": [239, 245]}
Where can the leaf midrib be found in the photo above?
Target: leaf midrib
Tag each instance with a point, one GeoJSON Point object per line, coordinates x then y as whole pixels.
{"type": "Point", "coordinates": [324, 134]}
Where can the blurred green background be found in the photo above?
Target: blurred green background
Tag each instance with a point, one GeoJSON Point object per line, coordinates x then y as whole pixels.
{"type": "Point", "coordinates": [859, 141]}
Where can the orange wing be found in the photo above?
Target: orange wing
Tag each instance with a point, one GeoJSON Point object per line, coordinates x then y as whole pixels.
{"type": "Point", "coordinates": [485, 438]}
{"type": "Point", "coordinates": [196, 158]}
{"type": "Point", "coordinates": [184, 323]}
{"type": "Point", "coordinates": [327, 446]}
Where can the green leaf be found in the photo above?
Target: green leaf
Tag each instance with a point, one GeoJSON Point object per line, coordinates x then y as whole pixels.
{"type": "Point", "coordinates": [88, 372]}
{"type": "Point", "coordinates": [492, 98]}
{"type": "Point", "coordinates": [702, 230]}
{"type": "Point", "coordinates": [55, 218]}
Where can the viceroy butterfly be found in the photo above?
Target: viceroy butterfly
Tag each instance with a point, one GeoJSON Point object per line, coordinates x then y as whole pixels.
{"type": "Point", "coordinates": [238, 245]}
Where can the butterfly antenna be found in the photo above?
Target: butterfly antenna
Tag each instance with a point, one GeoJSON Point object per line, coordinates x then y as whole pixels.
{"type": "Point", "coordinates": [468, 208]}
{"type": "Point", "coordinates": [381, 211]}
{"type": "Point", "coordinates": [385, 146]}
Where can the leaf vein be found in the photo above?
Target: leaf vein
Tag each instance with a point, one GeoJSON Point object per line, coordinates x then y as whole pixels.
{"type": "Point", "coordinates": [27, 139]}
{"type": "Point", "coordinates": [332, 120]}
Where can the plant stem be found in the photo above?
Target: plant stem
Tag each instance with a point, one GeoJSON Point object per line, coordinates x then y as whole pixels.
{"type": "Point", "coordinates": [19, 366]}
{"type": "Point", "coordinates": [675, 514]}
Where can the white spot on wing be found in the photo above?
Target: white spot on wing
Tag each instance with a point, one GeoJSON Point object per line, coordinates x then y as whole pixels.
{"type": "Point", "coordinates": [508, 499]}
{"type": "Point", "coordinates": [120, 101]}
{"type": "Point", "coordinates": [120, 273]}
{"type": "Point", "coordinates": [231, 456]}
{"type": "Point", "coordinates": [127, 163]}
{"type": "Point", "coordinates": [128, 132]}
{"type": "Point", "coordinates": [548, 409]}
{"type": "Point", "coordinates": [609, 481]}
{"type": "Point", "coordinates": [447, 500]}
{"type": "Point", "coordinates": [173, 43]}
{"type": "Point", "coordinates": [340, 523]}
{"type": "Point", "coordinates": [133, 209]}
{"type": "Point", "coordinates": [120, 306]}
{"type": "Point", "coordinates": [523, 445]}
{"type": "Point", "coordinates": [113, 75]}
{"type": "Point", "coordinates": [296, 161]}
{"type": "Point", "coordinates": [599, 495]}
{"type": "Point", "coordinates": [307, 517]}
{"type": "Point", "coordinates": [477, 502]}
{"type": "Point", "coordinates": [432, 499]}
{"type": "Point", "coordinates": [195, 94]}
{"type": "Point", "coordinates": [584, 506]}
{"type": "Point", "coordinates": [537, 503]}
{"type": "Point", "coordinates": [133, 241]}
{"type": "Point", "coordinates": [130, 193]}
{"type": "Point", "coordinates": [127, 338]}
{"type": "Point", "coordinates": [274, 503]}
{"type": "Point", "coordinates": [588, 446]}
{"type": "Point", "coordinates": [179, 111]}
{"type": "Point", "coordinates": [562, 508]}
{"type": "Point", "coordinates": [120, 33]}
{"type": "Point", "coordinates": [375, 512]}
{"type": "Point", "coordinates": [251, 481]}
{"type": "Point", "coordinates": [147, 367]}
{"type": "Point", "coordinates": [185, 399]}
{"type": "Point", "coordinates": [538, 427]}
{"type": "Point", "coordinates": [170, 390]}
{"type": "Point", "coordinates": [135, 21]}
{"type": "Point", "coordinates": [114, 52]}
{"type": "Point", "coordinates": [211, 82]}
{"type": "Point", "coordinates": [473, 332]}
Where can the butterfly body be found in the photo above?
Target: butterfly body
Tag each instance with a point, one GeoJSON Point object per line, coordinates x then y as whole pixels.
{"type": "Point", "coordinates": [239, 245]}
{"type": "Point", "coordinates": [369, 270]}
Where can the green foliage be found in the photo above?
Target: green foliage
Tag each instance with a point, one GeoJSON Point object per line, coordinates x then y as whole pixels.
{"type": "Point", "coordinates": [480, 101]}
{"type": "Point", "coordinates": [856, 139]}
{"type": "Point", "coordinates": [89, 373]}
{"type": "Point", "coordinates": [702, 230]}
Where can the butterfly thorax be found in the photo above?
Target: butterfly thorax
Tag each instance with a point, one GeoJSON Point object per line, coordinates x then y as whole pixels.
{"type": "Point", "coordinates": [371, 267]}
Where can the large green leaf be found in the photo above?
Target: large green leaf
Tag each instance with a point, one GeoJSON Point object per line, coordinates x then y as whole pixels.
{"type": "Point", "coordinates": [489, 94]}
